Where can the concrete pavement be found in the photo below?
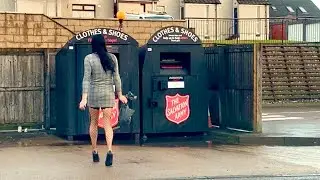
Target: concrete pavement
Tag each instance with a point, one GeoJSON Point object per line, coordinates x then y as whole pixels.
{"type": "Point", "coordinates": [284, 126]}
{"type": "Point", "coordinates": [291, 121]}
{"type": "Point", "coordinates": [302, 177]}
{"type": "Point", "coordinates": [48, 158]}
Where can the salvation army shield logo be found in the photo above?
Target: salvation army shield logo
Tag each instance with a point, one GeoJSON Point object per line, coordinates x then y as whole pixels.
{"type": "Point", "coordinates": [177, 108]}
{"type": "Point", "coordinates": [114, 117]}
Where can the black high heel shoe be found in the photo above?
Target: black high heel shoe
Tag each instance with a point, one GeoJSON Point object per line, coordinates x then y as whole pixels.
{"type": "Point", "coordinates": [109, 159]}
{"type": "Point", "coordinates": [95, 156]}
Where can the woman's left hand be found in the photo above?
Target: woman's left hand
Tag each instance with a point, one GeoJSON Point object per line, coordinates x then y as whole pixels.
{"type": "Point", "coordinates": [123, 99]}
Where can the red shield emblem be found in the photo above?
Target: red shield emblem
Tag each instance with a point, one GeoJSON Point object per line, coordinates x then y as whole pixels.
{"type": "Point", "coordinates": [177, 108]}
{"type": "Point", "coordinates": [114, 118]}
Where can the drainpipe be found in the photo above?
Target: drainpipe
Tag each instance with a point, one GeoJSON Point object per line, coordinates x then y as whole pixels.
{"type": "Point", "coordinates": [15, 6]}
{"type": "Point", "coordinates": [216, 16]}
{"type": "Point", "coordinates": [56, 8]}
{"type": "Point", "coordinates": [45, 11]}
{"type": "Point", "coordinates": [266, 21]}
{"type": "Point", "coordinates": [153, 6]}
{"type": "Point", "coordinates": [207, 23]}
{"type": "Point", "coordinates": [115, 8]}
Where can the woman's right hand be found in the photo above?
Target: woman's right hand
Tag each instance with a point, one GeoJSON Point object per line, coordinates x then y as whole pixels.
{"type": "Point", "coordinates": [83, 104]}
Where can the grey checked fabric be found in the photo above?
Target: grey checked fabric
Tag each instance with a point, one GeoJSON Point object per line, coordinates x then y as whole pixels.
{"type": "Point", "coordinates": [98, 83]}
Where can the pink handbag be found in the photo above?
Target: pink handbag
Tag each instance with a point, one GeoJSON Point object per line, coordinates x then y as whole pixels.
{"type": "Point", "coordinates": [114, 118]}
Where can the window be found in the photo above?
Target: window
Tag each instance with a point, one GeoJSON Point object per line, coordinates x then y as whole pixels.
{"type": "Point", "coordinates": [182, 13]}
{"type": "Point", "coordinates": [83, 11]}
{"type": "Point", "coordinates": [88, 8]}
{"type": "Point", "coordinates": [274, 8]}
{"type": "Point", "coordinates": [303, 10]}
{"type": "Point", "coordinates": [161, 8]}
{"type": "Point", "coordinates": [290, 9]}
{"type": "Point", "coordinates": [77, 7]}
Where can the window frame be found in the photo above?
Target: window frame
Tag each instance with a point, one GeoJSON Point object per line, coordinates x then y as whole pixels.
{"type": "Point", "coordinates": [290, 9]}
{"type": "Point", "coordinates": [83, 9]}
{"type": "Point", "coordinates": [303, 10]}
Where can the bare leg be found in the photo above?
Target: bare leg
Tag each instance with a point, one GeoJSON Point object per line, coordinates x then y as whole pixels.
{"type": "Point", "coordinates": [107, 113]}
{"type": "Point", "coordinates": [93, 130]}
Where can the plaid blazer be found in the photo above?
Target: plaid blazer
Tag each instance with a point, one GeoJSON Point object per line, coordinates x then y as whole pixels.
{"type": "Point", "coordinates": [98, 83]}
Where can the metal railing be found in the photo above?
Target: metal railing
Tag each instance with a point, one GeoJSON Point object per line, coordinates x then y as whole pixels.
{"type": "Point", "coordinates": [273, 30]}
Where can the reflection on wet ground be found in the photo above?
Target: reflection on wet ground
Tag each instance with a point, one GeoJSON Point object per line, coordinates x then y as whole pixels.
{"type": "Point", "coordinates": [39, 156]}
{"type": "Point", "coordinates": [291, 121]}
{"type": "Point", "coordinates": [303, 177]}
{"type": "Point", "coordinates": [156, 162]}
{"type": "Point", "coordinates": [46, 155]}
{"type": "Point", "coordinates": [309, 156]}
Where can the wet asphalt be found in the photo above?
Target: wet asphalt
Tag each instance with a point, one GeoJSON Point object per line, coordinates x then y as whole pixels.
{"type": "Point", "coordinates": [302, 177]}
{"type": "Point", "coordinates": [156, 162]}
{"type": "Point", "coordinates": [291, 121]}
{"type": "Point", "coordinates": [41, 156]}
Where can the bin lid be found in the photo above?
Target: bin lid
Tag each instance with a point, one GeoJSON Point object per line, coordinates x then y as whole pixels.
{"type": "Point", "coordinates": [174, 35]}
{"type": "Point", "coordinates": [112, 36]}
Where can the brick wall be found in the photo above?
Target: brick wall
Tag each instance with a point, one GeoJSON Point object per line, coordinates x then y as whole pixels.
{"type": "Point", "coordinates": [40, 31]}
{"type": "Point", "coordinates": [31, 31]}
{"type": "Point", "coordinates": [139, 30]}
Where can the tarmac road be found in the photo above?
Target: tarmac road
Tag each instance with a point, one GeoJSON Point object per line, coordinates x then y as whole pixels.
{"type": "Point", "coordinates": [305, 177]}
{"type": "Point", "coordinates": [291, 121]}
{"type": "Point", "coordinates": [50, 158]}
{"type": "Point", "coordinates": [132, 162]}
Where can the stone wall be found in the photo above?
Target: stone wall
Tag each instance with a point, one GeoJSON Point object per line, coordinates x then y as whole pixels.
{"type": "Point", "coordinates": [31, 31]}
{"type": "Point", "coordinates": [139, 30]}
{"type": "Point", "coordinates": [40, 31]}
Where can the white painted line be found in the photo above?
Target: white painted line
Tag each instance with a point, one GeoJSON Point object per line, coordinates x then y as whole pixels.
{"type": "Point", "coordinates": [273, 116]}
{"type": "Point", "coordinates": [303, 112]}
{"type": "Point", "coordinates": [282, 119]}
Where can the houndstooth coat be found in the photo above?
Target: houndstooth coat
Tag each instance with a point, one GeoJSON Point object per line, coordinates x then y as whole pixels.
{"type": "Point", "coordinates": [98, 83]}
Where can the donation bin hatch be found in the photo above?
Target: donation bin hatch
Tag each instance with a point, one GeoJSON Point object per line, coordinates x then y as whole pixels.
{"type": "Point", "coordinates": [173, 82]}
{"type": "Point", "coordinates": [69, 74]}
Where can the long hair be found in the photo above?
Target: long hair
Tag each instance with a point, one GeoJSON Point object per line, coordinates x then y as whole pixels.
{"type": "Point", "coordinates": [99, 46]}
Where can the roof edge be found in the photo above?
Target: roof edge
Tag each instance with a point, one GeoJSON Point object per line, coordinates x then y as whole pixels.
{"type": "Point", "coordinates": [201, 2]}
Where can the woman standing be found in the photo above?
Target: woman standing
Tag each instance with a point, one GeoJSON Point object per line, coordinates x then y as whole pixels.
{"type": "Point", "coordinates": [100, 71]}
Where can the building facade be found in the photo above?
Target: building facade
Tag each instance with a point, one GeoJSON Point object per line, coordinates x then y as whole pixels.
{"type": "Point", "coordinates": [228, 19]}
{"type": "Point", "coordinates": [137, 6]}
{"type": "Point", "coordinates": [99, 9]}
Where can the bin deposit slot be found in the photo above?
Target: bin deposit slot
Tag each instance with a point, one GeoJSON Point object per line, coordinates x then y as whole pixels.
{"type": "Point", "coordinates": [174, 63]}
